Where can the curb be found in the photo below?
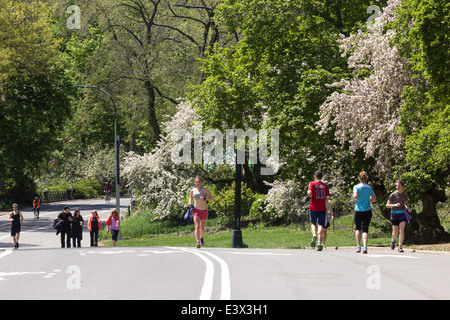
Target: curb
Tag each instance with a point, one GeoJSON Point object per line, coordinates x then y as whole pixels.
{"type": "Point", "coordinates": [406, 250]}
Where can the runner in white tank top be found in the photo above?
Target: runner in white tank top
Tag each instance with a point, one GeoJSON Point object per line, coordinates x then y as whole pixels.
{"type": "Point", "coordinates": [200, 195]}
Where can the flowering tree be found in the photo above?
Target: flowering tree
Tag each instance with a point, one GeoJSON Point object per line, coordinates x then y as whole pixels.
{"type": "Point", "coordinates": [288, 199]}
{"type": "Point", "coordinates": [365, 115]}
{"type": "Point", "coordinates": [158, 182]}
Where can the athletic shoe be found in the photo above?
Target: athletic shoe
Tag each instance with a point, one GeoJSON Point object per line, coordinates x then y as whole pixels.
{"type": "Point", "coordinates": [392, 245]}
{"type": "Point", "coordinates": [400, 250]}
{"type": "Point", "coordinates": [313, 241]}
{"type": "Point", "coordinates": [319, 247]}
{"type": "Point", "coordinates": [202, 242]}
{"type": "Point", "coordinates": [358, 249]}
{"type": "Point", "coordinates": [198, 245]}
{"type": "Point", "coordinates": [365, 250]}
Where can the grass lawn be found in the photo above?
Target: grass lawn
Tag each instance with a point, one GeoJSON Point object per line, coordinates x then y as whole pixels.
{"type": "Point", "coordinates": [288, 237]}
{"type": "Point", "coordinates": [140, 230]}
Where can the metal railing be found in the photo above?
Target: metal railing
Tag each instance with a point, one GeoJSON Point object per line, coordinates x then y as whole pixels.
{"type": "Point", "coordinates": [52, 196]}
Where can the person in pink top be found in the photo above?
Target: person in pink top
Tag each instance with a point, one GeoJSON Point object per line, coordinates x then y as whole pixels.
{"type": "Point", "coordinates": [319, 193]}
{"type": "Point", "coordinates": [113, 224]}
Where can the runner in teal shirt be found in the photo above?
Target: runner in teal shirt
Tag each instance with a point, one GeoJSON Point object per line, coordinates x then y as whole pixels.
{"type": "Point", "coordinates": [364, 192]}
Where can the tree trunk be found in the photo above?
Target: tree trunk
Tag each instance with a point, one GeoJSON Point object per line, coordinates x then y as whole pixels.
{"type": "Point", "coordinates": [425, 228]}
{"type": "Point", "coordinates": [152, 110]}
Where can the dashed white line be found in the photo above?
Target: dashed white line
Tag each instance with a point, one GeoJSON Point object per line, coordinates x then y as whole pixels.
{"type": "Point", "coordinates": [259, 253]}
{"type": "Point", "coordinates": [4, 254]}
{"type": "Point", "coordinates": [7, 274]}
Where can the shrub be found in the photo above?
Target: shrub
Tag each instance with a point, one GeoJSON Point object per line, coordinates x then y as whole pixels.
{"type": "Point", "coordinates": [6, 204]}
{"type": "Point", "coordinates": [257, 210]}
{"type": "Point", "coordinates": [287, 200]}
{"type": "Point", "coordinates": [87, 189]}
{"type": "Point", "coordinates": [223, 202]}
{"type": "Point", "coordinates": [55, 185]}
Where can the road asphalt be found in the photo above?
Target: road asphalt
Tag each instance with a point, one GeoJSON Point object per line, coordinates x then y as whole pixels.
{"type": "Point", "coordinates": [40, 269]}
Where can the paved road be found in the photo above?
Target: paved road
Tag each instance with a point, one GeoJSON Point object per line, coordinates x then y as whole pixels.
{"type": "Point", "coordinates": [41, 270]}
{"type": "Point", "coordinates": [40, 233]}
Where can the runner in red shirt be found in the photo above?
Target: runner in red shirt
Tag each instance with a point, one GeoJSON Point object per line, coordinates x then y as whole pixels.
{"type": "Point", "coordinates": [319, 193]}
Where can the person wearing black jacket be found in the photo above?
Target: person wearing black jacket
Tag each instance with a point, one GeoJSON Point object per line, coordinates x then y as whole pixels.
{"type": "Point", "coordinates": [77, 228]}
{"type": "Point", "coordinates": [66, 228]}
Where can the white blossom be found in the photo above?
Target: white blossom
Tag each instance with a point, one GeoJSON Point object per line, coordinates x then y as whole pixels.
{"type": "Point", "coordinates": [365, 112]}
{"type": "Point", "coordinates": [286, 198]}
{"type": "Point", "coordinates": [157, 181]}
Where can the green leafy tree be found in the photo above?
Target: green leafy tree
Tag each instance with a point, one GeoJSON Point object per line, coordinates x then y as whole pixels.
{"type": "Point", "coordinates": [277, 75]}
{"type": "Point", "coordinates": [384, 87]}
{"type": "Point", "coordinates": [423, 37]}
{"type": "Point", "coordinates": [34, 92]}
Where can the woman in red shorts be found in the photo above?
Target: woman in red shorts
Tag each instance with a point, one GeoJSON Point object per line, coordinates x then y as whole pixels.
{"type": "Point", "coordinates": [199, 194]}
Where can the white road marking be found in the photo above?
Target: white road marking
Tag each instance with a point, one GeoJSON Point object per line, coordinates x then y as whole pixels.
{"type": "Point", "coordinates": [260, 253]}
{"type": "Point", "coordinates": [391, 256]}
{"type": "Point", "coordinates": [4, 254]}
{"type": "Point", "coordinates": [225, 277]}
{"type": "Point", "coordinates": [159, 252]}
{"type": "Point", "coordinates": [106, 252]}
{"type": "Point", "coordinates": [4, 237]}
{"type": "Point", "coordinates": [208, 280]}
{"type": "Point", "coordinates": [7, 274]}
{"type": "Point", "coordinates": [225, 288]}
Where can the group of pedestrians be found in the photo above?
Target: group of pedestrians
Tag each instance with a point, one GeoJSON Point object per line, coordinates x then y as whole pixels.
{"type": "Point", "coordinates": [70, 226]}
{"type": "Point", "coordinates": [363, 193]}
{"type": "Point", "coordinates": [321, 211]}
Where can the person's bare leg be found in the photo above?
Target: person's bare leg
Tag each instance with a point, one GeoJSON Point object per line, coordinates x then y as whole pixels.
{"type": "Point", "coordinates": [401, 237]}
{"type": "Point", "coordinates": [197, 230]}
{"type": "Point", "coordinates": [365, 237]}
{"type": "Point", "coordinates": [202, 230]}
{"type": "Point", "coordinates": [358, 237]}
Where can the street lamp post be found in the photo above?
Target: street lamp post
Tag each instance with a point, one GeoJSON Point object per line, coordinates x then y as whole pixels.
{"type": "Point", "coordinates": [116, 144]}
{"type": "Point", "coordinates": [236, 241]}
